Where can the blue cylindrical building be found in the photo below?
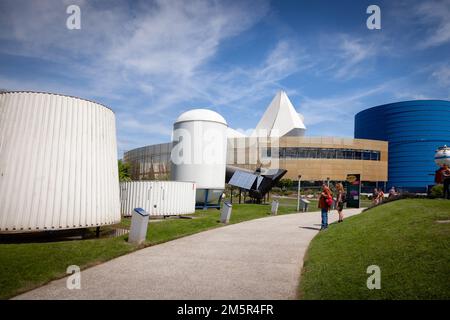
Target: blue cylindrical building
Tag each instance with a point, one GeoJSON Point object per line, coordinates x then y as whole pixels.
{"type": "Point", "coordinates": [414, 130]}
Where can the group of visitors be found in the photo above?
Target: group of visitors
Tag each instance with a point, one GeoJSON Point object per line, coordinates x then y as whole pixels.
{"type": "Point", "coordinates": [326, 202]}
{"type": "Point", "coordinates": [377, 196]}
{"type": "Point", "coordinates": [326, 196]}
{"type": "Point", "coordinates": [442, 176]}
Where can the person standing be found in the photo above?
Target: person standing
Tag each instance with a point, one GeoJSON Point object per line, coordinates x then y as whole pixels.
{"type": "Point", "coordinates": [438, 176]}
{"type": "Point", "coordinates": [446, 180]}
{"type": "Point", "coordinates": [340, 200]}
{"type": "Point", "coordinates": [375, 196]}
{"type": "Point", "coordinates": [325, 202]}
{"type": "Point", "coordinates": [380, 196]}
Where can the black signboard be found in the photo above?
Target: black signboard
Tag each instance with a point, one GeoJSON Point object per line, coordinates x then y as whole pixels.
{"type": "Point", "coordinates": [353, 190]}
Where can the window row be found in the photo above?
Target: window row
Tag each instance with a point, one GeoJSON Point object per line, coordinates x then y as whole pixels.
{"type": "Point", "coordinates": [326, 153]}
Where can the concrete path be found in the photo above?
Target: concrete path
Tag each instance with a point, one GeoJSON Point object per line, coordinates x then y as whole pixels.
{"type": "Point", "coordinates": [258, 259]}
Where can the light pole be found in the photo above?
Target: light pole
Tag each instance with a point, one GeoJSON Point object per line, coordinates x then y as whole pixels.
{"type": "Point", "coordinates": [298, 192]}
{"type": "Point", "coordinates": [328, 182]}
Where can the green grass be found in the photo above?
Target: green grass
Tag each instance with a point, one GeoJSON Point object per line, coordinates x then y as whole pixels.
{"type": "Point", "coordinates": [28, 265]}
{"type": "Point", "coordinates": [401, 237]}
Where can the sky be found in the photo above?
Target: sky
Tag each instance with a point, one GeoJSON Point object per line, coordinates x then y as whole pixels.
{"type": "Point", "coordinates": [149, 61]}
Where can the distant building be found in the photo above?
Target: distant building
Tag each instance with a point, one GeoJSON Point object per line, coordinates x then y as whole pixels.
{"type": "Point", "coordinates": [315, 158]}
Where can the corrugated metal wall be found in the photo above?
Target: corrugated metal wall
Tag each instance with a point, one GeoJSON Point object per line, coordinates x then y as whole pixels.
{"type": "Point", "coordinates": [414, 130]}
{"type": "Point", "coordinates": [158, 198]}
{"type": "Point", "coordinates": [58, 163]}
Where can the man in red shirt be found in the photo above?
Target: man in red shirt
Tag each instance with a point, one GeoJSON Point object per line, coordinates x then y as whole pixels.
{"type": "Point", "coordinates": [438, 175]}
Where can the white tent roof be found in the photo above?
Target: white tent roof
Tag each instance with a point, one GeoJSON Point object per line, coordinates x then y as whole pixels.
{"type": "Point", "coordinates": [280, 119]}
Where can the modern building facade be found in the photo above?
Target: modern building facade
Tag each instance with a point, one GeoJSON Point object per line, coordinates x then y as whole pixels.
{"type": "Point", "coordinates": [314, 158]}
{"type": "Point", "coordinates": [279, 142]}
{"type": "Point", "coordinates": [414, 130]}
{"type": "Point", "coordinates": [149, 162]}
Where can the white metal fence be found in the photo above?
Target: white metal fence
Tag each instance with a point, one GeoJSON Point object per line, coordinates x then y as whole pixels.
{"type": "Point", "coordinates": [158, 198]}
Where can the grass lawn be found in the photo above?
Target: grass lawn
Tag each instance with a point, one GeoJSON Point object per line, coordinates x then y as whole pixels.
{"type": "Point", "coordinates": [402, 237]}
{"type": "Point", "coordinates": [26, 266]}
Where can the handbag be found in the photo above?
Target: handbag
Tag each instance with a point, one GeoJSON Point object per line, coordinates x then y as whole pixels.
{"type": "Point", "coordinates": [329, 201]}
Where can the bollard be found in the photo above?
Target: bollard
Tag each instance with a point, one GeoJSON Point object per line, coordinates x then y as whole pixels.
{"type": "Point", "coordinates": [139, 223]}
{"type": "Point", "coordinates": [274, 209]}
{"type": "Point", "coordinates": [305, 204]}
{"type": "Point", "coordinates": [225, 213]}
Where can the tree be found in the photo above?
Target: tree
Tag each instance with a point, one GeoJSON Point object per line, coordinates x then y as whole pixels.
{"type": "Point", "coordinates": [285, 183]}
{"type": "Point", "coordinates": [124, 171]}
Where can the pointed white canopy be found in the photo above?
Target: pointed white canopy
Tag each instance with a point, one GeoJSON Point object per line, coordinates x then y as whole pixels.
{"type": "Point", "coordinates": [280, 119]}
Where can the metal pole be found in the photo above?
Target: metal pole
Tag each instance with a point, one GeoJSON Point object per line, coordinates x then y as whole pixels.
{"type": "Point", "coordinates": [328, 182]}
{"type": "Point", "coordinates": [298, 192]}
{"type": "Point", "coordinates": [231, 195]}
{"type": "Point", "coordinates": [205, 204]}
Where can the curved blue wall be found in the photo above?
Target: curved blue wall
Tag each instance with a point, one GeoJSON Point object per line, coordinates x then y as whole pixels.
{"type": "Point", "coordinates": [414, 130]}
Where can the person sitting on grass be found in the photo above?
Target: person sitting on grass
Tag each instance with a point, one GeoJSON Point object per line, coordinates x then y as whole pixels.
{"type": "Point", "coordinates": [392, 193]}
{"type": "Point", "coordinates": [325, 202]}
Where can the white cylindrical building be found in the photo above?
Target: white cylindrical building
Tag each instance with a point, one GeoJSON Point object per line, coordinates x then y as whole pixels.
{"type": "Point", "coordinates": [199, 152]}
{"type": "Point", "coordinates": [58, 163]}
{"type": "Point", "coordinates": [158, 198]}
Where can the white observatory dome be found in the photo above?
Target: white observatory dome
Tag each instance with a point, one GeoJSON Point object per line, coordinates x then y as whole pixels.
{"type": "Point", "coordinates": [199, 152]}
{"type": "Point", "coordinates": [201, 115]}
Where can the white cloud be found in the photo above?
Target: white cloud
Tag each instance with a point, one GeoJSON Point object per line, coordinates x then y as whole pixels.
{"type": "Point", "coordinates": [337, 109]}
{"type": "Point", "coordinates": [231, 87]}
{"type": "Point", "coordinates": [177, 37]}
{"type": "Point", "coordinates": [157, 52]}
{"type": "Point", "coordinates": [351, 55]}
{"type": "Point", "coordinates": [435, 16]}
{"type": "Point", "coordinates": [442, 75]}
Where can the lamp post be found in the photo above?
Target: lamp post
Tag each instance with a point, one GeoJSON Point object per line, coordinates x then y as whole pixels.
{"type": "Point", "coordinates": [298, 192]}
{"type": "Point", "coordinates": [328, 182]}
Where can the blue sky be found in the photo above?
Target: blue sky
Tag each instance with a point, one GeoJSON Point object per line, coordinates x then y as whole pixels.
{"type": "Point", "coordinates": [150, 61]}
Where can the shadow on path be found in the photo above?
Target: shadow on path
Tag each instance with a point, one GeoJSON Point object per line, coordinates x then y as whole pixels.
{"type": "Point", "coordinates": [310, 228]}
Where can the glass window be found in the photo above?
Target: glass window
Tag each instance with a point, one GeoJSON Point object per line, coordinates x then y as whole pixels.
{"type": "Point", "coordinates": [324, 153]}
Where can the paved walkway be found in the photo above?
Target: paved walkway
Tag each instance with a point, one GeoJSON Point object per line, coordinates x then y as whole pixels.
{"type": "Point", "coordinates": [258, 259]}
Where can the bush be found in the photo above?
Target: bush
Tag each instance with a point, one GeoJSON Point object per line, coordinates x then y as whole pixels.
{"type": "Point", "coordinates": [437, 191]}
{"type": "Point", "coordinates": [285, 183]}
{"type": "Point", "coordinates": [276, 190]}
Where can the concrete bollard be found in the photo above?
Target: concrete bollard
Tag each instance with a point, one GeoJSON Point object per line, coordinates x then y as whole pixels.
{"type": "Point", "coordinates": [139, 223]}
{"type": "Point", "coordinates": [274, 209]}
{"type": "Point", "coordinates": [225, 213]}
{"type": "Point", "coordinates": [305, 204]}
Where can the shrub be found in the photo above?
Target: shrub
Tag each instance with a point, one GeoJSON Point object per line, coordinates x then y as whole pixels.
{"type": "Point", "coordinates": [437, 191]}
{"type": "Point", "coordinates": [285, 183]}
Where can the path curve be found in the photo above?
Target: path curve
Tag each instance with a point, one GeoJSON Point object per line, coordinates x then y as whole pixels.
{"type": "Point", "coordinates": [257, 259]}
